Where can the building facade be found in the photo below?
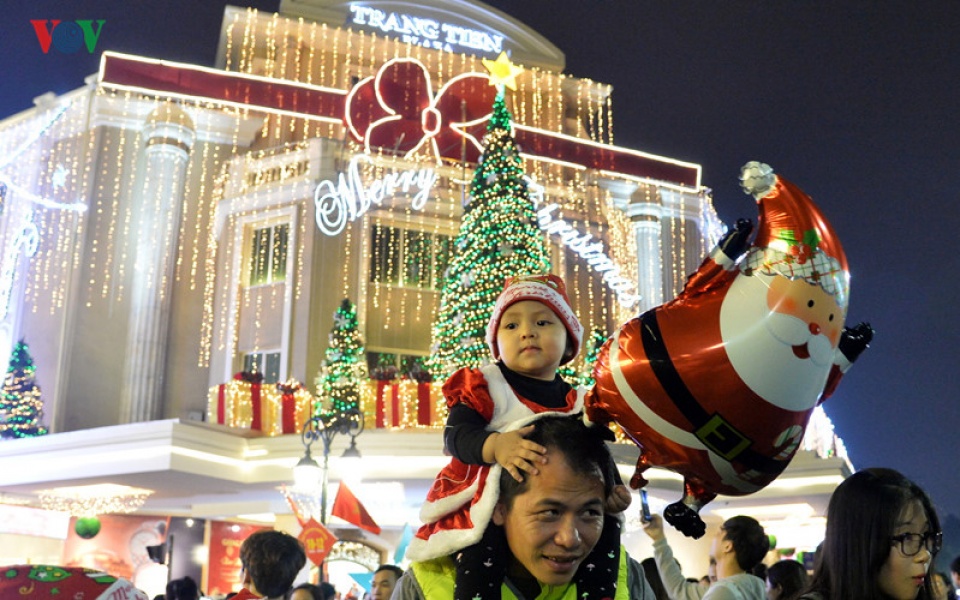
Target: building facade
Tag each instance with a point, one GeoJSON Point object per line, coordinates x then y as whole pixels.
{"type": "Point", "coordinates": [180, 234]}
{"type": "Point", "coordinates": [166, 226]}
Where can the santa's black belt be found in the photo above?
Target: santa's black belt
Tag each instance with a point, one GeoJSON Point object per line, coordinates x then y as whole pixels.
{"type": "Point", "coordinates": [716, 433]}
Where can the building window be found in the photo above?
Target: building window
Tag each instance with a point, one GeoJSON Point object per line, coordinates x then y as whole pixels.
{"type": "Point", "coordinates": [408, 257]}
{"type": "Point", "coordinates": [388, 365]}
{"type": "Point", "coordinates": [268, 254]}
{"type": "Point", "coordinates": [267, 363]}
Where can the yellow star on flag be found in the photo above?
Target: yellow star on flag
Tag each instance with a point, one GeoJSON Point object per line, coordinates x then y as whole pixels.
{"type": "Point", "coordinates": [502, 71]}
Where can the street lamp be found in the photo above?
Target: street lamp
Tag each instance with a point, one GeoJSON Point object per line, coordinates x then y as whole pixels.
{"type": "Point", "coordinates": [325, 428]}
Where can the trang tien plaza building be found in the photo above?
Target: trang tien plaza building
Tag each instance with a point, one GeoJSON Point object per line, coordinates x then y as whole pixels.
{"type": "Point", "coordinates": [165, 227]}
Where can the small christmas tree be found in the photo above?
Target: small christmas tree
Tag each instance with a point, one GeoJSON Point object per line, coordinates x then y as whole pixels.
{"type": "Point", "coordinates": [21, 409]}
{"type": "Point", "coordinates": [345, 367]}
{"type": "Point", "coordinates": [499, 238]}
{"type": "Point", "coordinates": [584, 377]}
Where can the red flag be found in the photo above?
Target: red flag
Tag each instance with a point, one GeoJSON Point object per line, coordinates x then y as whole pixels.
{"type": "Point", "coordinates": [347, 507]}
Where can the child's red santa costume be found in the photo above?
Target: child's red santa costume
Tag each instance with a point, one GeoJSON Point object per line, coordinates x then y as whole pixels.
{"type": "Point", "coordinates": [461, 501]}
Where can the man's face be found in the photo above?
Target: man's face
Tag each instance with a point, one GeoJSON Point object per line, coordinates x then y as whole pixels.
{"type": "Point", "coordinates": [383, 584]}
{"type": "Point", "coordinates": [720, 550]}
{"type": "Point", "coordinates": [553, 526]}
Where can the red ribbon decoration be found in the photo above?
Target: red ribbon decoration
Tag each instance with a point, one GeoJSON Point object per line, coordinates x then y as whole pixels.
{"type": "Point", "coordinates": [288, 410]}
{"type": "Point", "coordinates": [423, 403]}
{"type": "Point", "coordinates": [389, 111]}
{"type": "Point", "coordinates": [395, 405]}
{"type": "Point", "coordinates": [257, 421]}
{"type": "Point", "coordinates": [396, 109]}
{"type": "Point", "coordinates": [221, 404]}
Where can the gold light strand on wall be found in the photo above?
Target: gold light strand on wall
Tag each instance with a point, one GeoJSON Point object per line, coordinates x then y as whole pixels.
{"type": "Point", "coordinates": [186, 209]}
{"type": "Point", "coordinates": [86, 158]}
{"type": "Point", "coordinates": [101, 244]}
{"type": "Point", "coordinates": [113, 212]}
{"type": "Point", "coordinates": [196, 245]}
{"type": "Point", "coordinates": [210, 269]}
{"type": "Point", "coordinates": [335, 75]}
{"type": "Point", "coordinates": [245, 63]}
{"type": "Point", "coordinates": [312, 54]}
{"type": "Point", "coordinates": [610, 114]}
{"type": "Point", "coordinates": [229, 32]}
{"type": "Point", "coordinates": [300, 249]}
{"type": "Point", "coordinates": [127, 216]}
{"type": "Point", "coordinates": [61, 259]}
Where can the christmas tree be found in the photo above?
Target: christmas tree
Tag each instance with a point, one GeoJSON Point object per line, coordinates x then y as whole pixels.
{"type": "Point", "coordinates": [345, 367]}
{"type": "Point", "coordinates": [498, 238]}
{"type": "Point", "coordinates": [584, 377]}
{"type": "Point", "coordinates": [21, 409]}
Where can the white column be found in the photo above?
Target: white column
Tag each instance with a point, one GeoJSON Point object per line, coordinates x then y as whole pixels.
{"type": "Point", "coordinates": [169, 134]}
{"type": "Point", "coordinates": [647, 231]}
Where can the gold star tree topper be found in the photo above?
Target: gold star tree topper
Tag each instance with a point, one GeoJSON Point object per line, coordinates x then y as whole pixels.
{"type": "Point", "coordinates": [502, 71]}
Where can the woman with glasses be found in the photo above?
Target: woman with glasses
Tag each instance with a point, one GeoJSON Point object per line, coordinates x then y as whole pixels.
{"type": "Point", "coordinates": [882, 536]}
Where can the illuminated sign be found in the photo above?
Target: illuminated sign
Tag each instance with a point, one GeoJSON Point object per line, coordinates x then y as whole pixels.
{"type": "Point", "coordinates": [350, 198]}
{"type": "Point", "coordinates": [592, 252]}
{"type": "Point", "coordinates": [426, 32]}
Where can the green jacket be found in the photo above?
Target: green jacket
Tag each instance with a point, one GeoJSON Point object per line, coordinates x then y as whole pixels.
{"type": "Point", "coordinates": [434, 580]}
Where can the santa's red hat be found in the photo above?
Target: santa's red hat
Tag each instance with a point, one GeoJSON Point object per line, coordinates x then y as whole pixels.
{"type": "Point", "coordinates": [546, 289]}
{"type": "Point", "coordinates": [794, 239]}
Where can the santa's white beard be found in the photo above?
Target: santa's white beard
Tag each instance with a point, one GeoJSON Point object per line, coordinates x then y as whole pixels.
{"type": "Point", "coordinates": [759, 344]}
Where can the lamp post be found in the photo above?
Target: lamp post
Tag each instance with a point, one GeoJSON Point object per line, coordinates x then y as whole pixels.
{"type": "Point", "coordinates": [325, 428]}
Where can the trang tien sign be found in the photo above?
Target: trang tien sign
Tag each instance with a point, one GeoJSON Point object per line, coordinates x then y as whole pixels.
{"type": "Point", "coordinates": [429, 33]}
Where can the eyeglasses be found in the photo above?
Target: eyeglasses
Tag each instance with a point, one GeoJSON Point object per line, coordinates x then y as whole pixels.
{"type": "Point", "coordinates": [910, 543]}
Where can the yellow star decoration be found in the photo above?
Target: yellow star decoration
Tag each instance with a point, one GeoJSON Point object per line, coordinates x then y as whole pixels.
{"type": "Point", "coordinates": [502, 71]}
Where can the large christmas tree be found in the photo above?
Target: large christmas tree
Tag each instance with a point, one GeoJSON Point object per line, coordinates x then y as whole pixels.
{"type": "Point", "coordinates": [21, 409]}
{"type": "Point", "coordinates": [345, 367]}
{"type": "Point", "coordinates": [498, 238]}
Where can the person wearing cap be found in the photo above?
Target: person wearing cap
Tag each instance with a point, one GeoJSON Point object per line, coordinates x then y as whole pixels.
{"type": "Point", "coordinates": [532, 331]}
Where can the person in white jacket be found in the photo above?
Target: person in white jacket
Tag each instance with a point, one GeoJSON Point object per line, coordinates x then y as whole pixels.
{"type": "Point", "coordinates": [738, 546]}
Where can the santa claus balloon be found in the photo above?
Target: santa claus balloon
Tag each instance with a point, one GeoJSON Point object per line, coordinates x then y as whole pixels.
{"type": "Point", "coordinates": [719, 383]}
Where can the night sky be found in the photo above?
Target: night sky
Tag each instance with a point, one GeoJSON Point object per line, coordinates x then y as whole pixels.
{"type": "Point", "coordinates": [855, 101]}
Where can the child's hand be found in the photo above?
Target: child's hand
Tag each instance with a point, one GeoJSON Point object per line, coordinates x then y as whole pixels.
{"type": "Point", "coordinates": [618, 500]}
{"type": "Point", "coordinates": [515, 454]}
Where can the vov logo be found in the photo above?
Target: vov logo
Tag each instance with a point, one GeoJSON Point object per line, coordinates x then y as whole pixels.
{"type": "Point", "coordinates": [68, 36]}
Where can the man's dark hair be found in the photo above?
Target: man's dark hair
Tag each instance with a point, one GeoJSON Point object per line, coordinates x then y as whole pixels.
{"type": "Point", "coordinates": [392, 568]}
{"type": "Point", "coordinates": [273, 559]}
{"type": "Point", "coordinates": [184, 588]}
{"type": "Point", "coordinates": [955, 565]}
{"type": "Point", "coordinates": [582, 447]}
{"type": "Point", "coordinates": [790, 575]}
{"type": "Point", "coordinates": [750, 542]}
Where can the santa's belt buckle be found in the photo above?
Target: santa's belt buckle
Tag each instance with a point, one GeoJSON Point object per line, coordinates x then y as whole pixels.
{"type": "Point", "coordinates": [722, 438]}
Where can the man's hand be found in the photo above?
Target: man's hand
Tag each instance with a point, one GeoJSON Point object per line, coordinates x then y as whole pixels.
{"type": "Point", "coordinates": [618, 500]}
{"type": "Point", "coordinates": [654, 528]}
{"type": "Point", "coordinates": [514, 453]}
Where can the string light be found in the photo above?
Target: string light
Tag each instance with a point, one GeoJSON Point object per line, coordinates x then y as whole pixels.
{"type": "Point", "coordinates": [220, 198]}
{"type": "Point", "coordinates": [93, 500]}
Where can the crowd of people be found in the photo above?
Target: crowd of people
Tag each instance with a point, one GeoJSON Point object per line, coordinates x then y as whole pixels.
{"type": "Point", "coordinates": [881, 539]}
{"type": "Point", "coordinates": [531, 505]}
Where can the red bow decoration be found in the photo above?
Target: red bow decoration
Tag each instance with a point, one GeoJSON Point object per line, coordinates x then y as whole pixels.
{"type": "Point", "coordinates": [248, 376]}
{"type": "Point", "coordinates": [396, 109]}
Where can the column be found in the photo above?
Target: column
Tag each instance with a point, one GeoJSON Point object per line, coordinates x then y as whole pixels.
{"type": "Point", "coordinates": [169, 134]}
